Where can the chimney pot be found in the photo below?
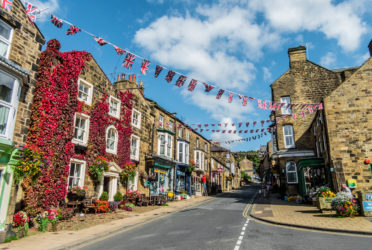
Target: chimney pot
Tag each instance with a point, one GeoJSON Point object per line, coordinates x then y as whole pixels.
{"type": "Point", "coordinates": [370, 48]}
{"type": "Point", "coordinates": [122, 76]}
{"type": "Point", "coordinates": [118, 77]}
{"type": "Point", "coordinates": [133, 77]}
{"type": "Point", "coordinates": [297, 54]}
{"type": "Point", "coordinates": [130, 78]}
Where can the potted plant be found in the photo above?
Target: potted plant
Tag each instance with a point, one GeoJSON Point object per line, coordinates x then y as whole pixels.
{"type": "Point", "coordinates": [20, 224]}
{"type": "Point", "coordinates": [191, 166]}
{"type": "Point", "coordinates": [132, 196]}
{"type": "Point", "coordinates": [143, 176]}
{"type": "Point", "coordinates": [77, 193]}
{"type": "Point", "coordinates": [129, 172]}
{"type": "Point", "coordinates": [43, 221]}
{"type": "Point", "coordinates": [324, 198]}
{"type": "Point", "coordinates": [98, 167]}
{"type": "Point", "coordinates": [129, 206]}
{"type": "Point", "coordinates": [53, 218]}
{"type": "Point", "coordinates": [345, 205]}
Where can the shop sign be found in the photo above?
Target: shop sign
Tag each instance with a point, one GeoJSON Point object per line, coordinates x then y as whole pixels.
{"type": "Point", "coordinates": [159, 171]}
{"type": "Point", "coordinates": [368, 196]}
{"type": "Point", "coordinates": [180, 173]}
{"type": "Point", "coordinates": [367, 206]}
{"type": "Point", "coordinates": [352, 183]}
{"type": "Point", "coordinates": [220, 169]}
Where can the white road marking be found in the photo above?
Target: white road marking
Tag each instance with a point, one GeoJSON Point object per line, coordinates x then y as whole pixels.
{"type": "Point", "coordinates": [239, 242]}
{"type": "Point", "coordinates": [243, 229]}
{"type": "Point", "coordinates": [242, 233]}
{"type": "Point", "coordinates": [236, 247]}
{"type": "Point", "coordinates": [240, 237]}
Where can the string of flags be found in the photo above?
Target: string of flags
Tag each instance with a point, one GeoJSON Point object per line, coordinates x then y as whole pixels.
{"type": "Point", "coordinates": [231, 131]}
{"type": "Point", "coordinates": [245, 139]}
{"type": "Point", "coordinates": [130, 57]}
{"type": "Point", "coordinates": [233, 124]}
{"type": "Point", "coordinates": [272, 106]}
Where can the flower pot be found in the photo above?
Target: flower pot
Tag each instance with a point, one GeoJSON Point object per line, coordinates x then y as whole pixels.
{"type": "Point", "coordinates": [21, 233]}
{"type": "Point", "coordinates": [129, 208]}
{"type": "Point", "coordinates": [324, 203]}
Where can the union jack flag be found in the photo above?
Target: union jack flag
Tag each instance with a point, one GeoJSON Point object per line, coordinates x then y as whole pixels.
{"type": "Point", "coordinates": [31, 12]}
{"type": "Point", "coordinates": [145, 66]}
{"type": "Point", "coordinates": [259, 103]}
{"type": "Point", "coordinates": [7, 4]}
{"type": "Point", "coordinates": [254, 123]}
{"type": "Point", "coordinates": [57, 22]}
{"type": "Point", "coordinates": [170, 76]}
{"type": "Point", "coordinates": [158, 70]}
{"type": "Point", "coordinates": [220, 93]}
{"type": "Point", "coordinates": [247, 124]}
{"type": "Point", "coordinates": [119, 51]}
{"type": "Point", "coordinates": [294, 115]}
{"type": "Point", "coordinates": [245, 101]}
{"type": "Point", "coordinates": [240, 124]}
{"type": "Point", "coordinates": [208, 87]}
{"type": "Point", "coordinates": [100, 41]}
{"type": "Point", "coordinates": [230, 97]}
{"type": "Point", "coordinates": [262, 123]}
{"type": "Point", "coordinates": [181, 81]}
{"type": "Point", "coordinates": [73, 30]}
{"type": "Point", "coordinates": [192, 85]}
{"type": "Point", "coordinates": [310, 110]}
{"type": "Point", "coordinates": [129, 60]}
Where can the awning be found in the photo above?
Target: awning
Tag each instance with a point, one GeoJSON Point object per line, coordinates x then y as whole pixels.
{"type": "Point", "coordinates": [303, 163]}
{"type": "Point", "coordinates": [157, 164]}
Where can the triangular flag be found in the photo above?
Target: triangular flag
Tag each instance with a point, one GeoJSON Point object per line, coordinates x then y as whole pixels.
{"type": "Point", "coordinates": [158, 70]}
{"type": "Point", "coordinates": [118, 50]}
{"type": "Point", "coordinates": [100, 41]}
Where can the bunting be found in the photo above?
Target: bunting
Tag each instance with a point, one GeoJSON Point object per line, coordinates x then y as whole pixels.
{"type": "Point", "coordinates": [230, 97]}
{"type": "Point", "coordinates": [192, 85]}
{"type": "Point", "coordinates": [145, 66]}
{"type": "Point", "coordinates": [158, 70]}
{"type": "Point", "coordinates": [7, 5]}
{"type": "Point", "coordinates": [100, 41]}
{"type": "Point", "coordinates": [31, 12]}
{"type": "Point", "coordinates": [208, 87]}
{"type": "Point", "coordinates": [129, 60]}
{"type": "Point", "coordinates": [220, 93]}
{"type": "Point", "coordinates": [180, 81]}
{"type": "Point", "coordinates": [118, 50]}
{"type": "Point", "coordinates": [169, 76]}
{"type": "Point", "coordinates": [57, 22]}
{"type": "Point", "coordinates": [72, 30]}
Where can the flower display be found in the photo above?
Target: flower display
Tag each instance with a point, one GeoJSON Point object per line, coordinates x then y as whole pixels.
{"type": "Point", "coordinates": [20, 219]}
{"type": "Point", "coordinates": [325, 192]}
{"type": "Point", "coordinates": [98, 167]}
{"type": "Point", "coordinates": [102, 206]}
{"type": "Point", "coordinates": [133, 194]}
{"type": "Point", "coordinates": [79, 191]}
{"type": "Point", "coordinates": [129, 171]}
{"type": "Point", "coordinates": [345, 205]}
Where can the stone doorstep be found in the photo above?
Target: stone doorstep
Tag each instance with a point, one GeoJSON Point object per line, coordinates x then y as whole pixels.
{"type": "Point", "coordinates": [57, 240]}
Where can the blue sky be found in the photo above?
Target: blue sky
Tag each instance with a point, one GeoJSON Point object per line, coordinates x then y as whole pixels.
{"type": "Point", "coordinates": [233, 44]}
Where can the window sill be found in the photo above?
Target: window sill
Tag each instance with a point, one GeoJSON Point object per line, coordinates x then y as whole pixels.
{"type": "Point", "coordinates": [115, 116]}
{"type": "Point", "coordinates": [89, 103]}
{"type": "Point", "coordinates": [114, 152]}
{"type": "Point", "coordinates": [79, 143]}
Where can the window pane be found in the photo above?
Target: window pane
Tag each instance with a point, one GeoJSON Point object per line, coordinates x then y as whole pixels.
{"type": "Point", "coordinates": [5, 31]}
{"type": "Point", "coordinates": [4, 113]}
{"type": "Point", "coordinates": [72, 169]}
{"type": "Point", "coordinates": [77, 170]}
{"type": "Point", "coordinates": [6, 87]}
{"type": "Point", "coordinates": [3, 48]}
{"type": "Point", "coordinates": [292, 177]}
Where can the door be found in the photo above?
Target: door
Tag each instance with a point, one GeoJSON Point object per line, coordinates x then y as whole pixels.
{"type": "Point", "coordinates": [106, 184]}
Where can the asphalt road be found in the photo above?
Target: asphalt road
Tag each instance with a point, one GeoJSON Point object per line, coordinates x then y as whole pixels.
{"type": "Point", "coordinates": [219, 224]}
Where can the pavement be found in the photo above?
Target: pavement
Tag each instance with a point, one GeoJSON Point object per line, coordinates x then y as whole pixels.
{"type": "Point", "coordinates": [274, 210]}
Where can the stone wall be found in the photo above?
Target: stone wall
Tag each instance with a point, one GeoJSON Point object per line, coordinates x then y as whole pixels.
{"type": "Point", "coordinates": [348, 114]}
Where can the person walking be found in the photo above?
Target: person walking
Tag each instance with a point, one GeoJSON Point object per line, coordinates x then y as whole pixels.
{"type": "Point", "coordinates": [204, 181]}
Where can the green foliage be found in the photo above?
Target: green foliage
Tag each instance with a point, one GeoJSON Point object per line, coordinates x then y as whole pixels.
{"type": "Point", "coordinates": [98, 167]}
{"type": "Point", "coordinates": [128, 204]}
{"type": "Point", "coordinates": [118, 196]}
{"type": "Point", "coordinates": [104, 196]}
{"type": "Point", "coordinates": [9, 239]}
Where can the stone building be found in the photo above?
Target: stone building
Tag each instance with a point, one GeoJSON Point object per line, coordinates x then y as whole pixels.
{"type": "Point", "coordinates": [319, 149]}
{"type": "Point", "coordinates": [226, 158]}
{"type": "Point", "coordinates": [217, 175]}
{"type": "Point", "coordinates": [20, 45]}
{"type": "Point", "coordinates": [304, 82]}
{"type": "Point", "coordinates": [346, 129]}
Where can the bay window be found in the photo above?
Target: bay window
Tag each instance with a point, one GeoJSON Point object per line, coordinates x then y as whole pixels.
{"type": "Point", "coordinates": [183, 152]}
{"type": "Point", "coordinates": [9, 96]}
{"type": "Point", "coordinates": [165, 144]}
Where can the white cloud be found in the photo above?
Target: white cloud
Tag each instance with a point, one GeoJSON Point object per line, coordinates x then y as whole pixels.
{"type": "Point", "coordinates": [46, 7]}
{"type": "Point", "coordinates": [328, 60]}
{"type": "Point", "coordinates": [222, 137]}
{"type": "Point", "coordinates": [267, 76]}
{"type": "Point", "coordinates": [340, 21]}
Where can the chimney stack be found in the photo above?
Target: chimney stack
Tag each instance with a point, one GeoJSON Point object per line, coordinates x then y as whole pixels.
{"type": "Point", "coordinates": [370, 48]}
{"type": "Point", "coordinates": [297, 54]}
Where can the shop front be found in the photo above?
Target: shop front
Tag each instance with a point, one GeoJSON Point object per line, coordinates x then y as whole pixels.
{"type": "Point", "coordinates": [197, 180]}
{"type": "Point", "coordinates": [161, 172]}
{"type": "Point", "coordinates": [312, 175]}
{"type": "Point", "coordinates": [180, 178]}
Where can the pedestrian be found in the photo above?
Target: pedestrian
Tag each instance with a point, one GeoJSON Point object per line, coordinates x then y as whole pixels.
{"type": "Point", "coordinates": [347, 190]}
{"type": "Point", "coordinates": [204, 181]}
